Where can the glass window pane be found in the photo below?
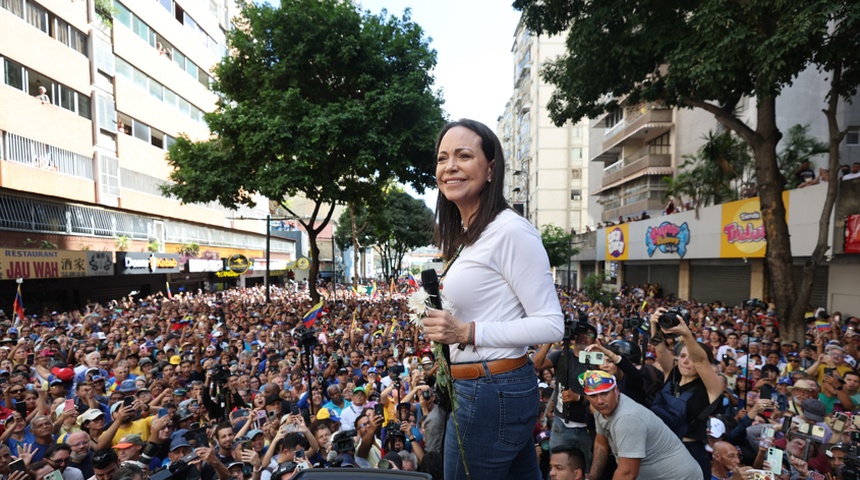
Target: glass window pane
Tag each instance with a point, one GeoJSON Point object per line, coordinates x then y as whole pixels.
{"type": "Point", "coordinates": [179, 58]}
{"type": "Point", "coordinates": [141, 29]}
{"type": "Point", "coordinates": [123, 68]}
{"type": "Point", "coordinates": [184, 106]}
{"type": "Point", "coordinates": [155, 89]}
{"type": "Point", "coordinates": [169, 97]}
{"type": "Point", "coordinates": [191, 69]}
{"type": "Point", "coordinates": [203, 77]}
{"type": "Point", "coordinates": [167, 4]}
{"type": "Point", "coordinates": [14, 6]}
{"type": "Point", "coordinates": [84, 106]}
{"type": "Point", "coordinates": [122, 14]}
{"type": "Point", "coordinates": [67, 98]}
{"type": "Point", "coordinates": [14, 74]}
{"type": "Point", "coordinates": [61, 31]}
{"type": "Point", "coordinates": [37, 17]}
{"type": "Point", "coordinates": [141, 131]}
{"type": "Point", "coordinates": [140, 79]}
{"type": "Point", "coordinates": [78, 41]}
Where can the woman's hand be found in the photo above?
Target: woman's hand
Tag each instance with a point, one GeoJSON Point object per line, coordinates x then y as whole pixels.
{"type": "Point", "coordinates": [441, 326]}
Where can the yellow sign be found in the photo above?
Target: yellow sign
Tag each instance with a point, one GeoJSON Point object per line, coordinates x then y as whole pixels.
{"type": "Point", "coordinates": [617, 242]}
{"type": "Point", "coordinates": [742, 233]}
{"type": "Point", "coordinates": [239, 263]}
{"type": "Point", "coordinates": [32, 263]}
{"type": "Point", "coordinates": [226, 274]}
{"type": "Point", "coordinates": [303, 263]}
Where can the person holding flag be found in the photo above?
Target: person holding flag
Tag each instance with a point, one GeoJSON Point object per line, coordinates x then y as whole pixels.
{"type": "Point", "coordinates": [311, 317]}
{"type": "Point", "coordinates": [18, 304]}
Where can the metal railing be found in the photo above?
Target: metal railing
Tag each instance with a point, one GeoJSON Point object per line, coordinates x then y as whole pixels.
{"type": "Point", "coordinates": [29, 152]}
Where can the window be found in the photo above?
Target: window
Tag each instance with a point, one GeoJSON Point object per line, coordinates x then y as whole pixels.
{"type": "Point", "coordinates": [14, 74]}
{"type": "Point", "coordinates": [141, 131]}
{"type": "Point", "coordinates": [576, 194]}
{"type": "Point", "coordinates": [184, 107]}
{"type": "Point", "coordinates": [179, 58]}
{"type": "Point", "coordinates": [14, 6]}
{"type": "Point", "coordinates": [37, 17]}
{"type": "Point", "coordinates": [123, 69]}
{"type": "Point", "coordinates": [157, 139]}
{"type": "Point", "coordinates": [852, 136]}
{"type": "Point", "coordinates": [84, 108]}
{"type": "Point", "coordinates": [576, 174]}
{"type": "Point", "coordinates": [78, 41]}
{"type": "Point", "coordinates": [169, 97]}
{"type": "Point", "coordinates": [67, 98]}
{"type": "Point", "coordinates": [122, 14]}
{"type": "Point", "coordinates": [143, 31]}
{"type": "Point", "coordinates": [576, 153]}
{"type": "Point", "coordinates": [106, 114]}
{"type": "Point", "coordinates": [61, 31]}
{"type": "Point", "coordinates": [660, 145]}
{"type": "Point", "coordinates": [191, 69]}
{"type": "Point", "coordinates": [104, 56]}
{"type": "Point", "coordinates": [140, 79]}
{"type": "Point", "coordinates": [155, 89]}
{"type": "Point", "coordinates": [167, 4]}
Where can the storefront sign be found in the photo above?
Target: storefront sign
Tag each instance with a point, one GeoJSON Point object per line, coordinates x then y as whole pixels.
{"type": "Point", "coordinates": [303, 263]}
{"type": "Point", "coordinates": [196, 265]}
{"type": "Point", "coordinates": [99, 264]}
{"type": "Point", "coordinates": [226, 274]}
{"type": "Point", "coordinates": [617, 242]}
{"type": "Point", "coordinates": [743, 234]}
{"type": "Point", "coordinates": [133, 263]}
{"type": "Point", "coordinates": [32, 263]}
{"type": "Point", "coordinates": [668, 238]}
{"type": "Point", "coordinates": [238, 263]}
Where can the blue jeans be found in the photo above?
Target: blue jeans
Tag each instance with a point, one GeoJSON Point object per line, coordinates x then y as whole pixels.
{"type": "Point", "coordinates": [571, 437]}
{"type": "Point", "coordinates": [496, 416]}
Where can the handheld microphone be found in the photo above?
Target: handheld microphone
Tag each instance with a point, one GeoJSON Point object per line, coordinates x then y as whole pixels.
{"type": "Point", "coordinates": [430, 283]}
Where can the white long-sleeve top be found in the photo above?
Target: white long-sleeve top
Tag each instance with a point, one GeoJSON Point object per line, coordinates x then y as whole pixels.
{"type": "Point", "coordinates": [503, 283]}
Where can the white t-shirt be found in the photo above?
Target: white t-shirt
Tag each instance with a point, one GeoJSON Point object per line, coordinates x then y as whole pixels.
{"type": "Point", "coordinates": [503, 283]}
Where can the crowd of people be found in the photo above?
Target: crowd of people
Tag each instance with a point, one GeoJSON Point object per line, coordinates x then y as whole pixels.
{"type": "Point", "coordinates": [221, 381]}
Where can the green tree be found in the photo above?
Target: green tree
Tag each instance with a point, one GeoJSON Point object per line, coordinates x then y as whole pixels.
{"type": "Point", "coordinates": [594, 287]}
{"type": "Point", "coordinates": [714, 174]}
{"type": "Point", "coordinates": [316, 98]}
{"type": "Point", "coordinates": [799, 147]}
{"type": "Point", "coordinates": [708, 55]}
{"type": "Point", "coordinates": [557, 244]}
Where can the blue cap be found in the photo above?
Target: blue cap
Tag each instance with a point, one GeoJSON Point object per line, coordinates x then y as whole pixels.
{"type": "Point", "coordinates": [12, 330]}
{"type": "Point", "coordinates": [253, 433]}
{"type": "Point", "coordinates": [127, 386]}
{"type": "Point", "coordinates": [178, 441]}
{"type": "Point", "coordinates": [784, 381]}
{"type": "Point", "coordinates": [150, 345]}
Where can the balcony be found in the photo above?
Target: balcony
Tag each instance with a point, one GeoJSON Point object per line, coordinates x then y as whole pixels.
{"type": "Point", "coordinates": [633, 208]}
{"type": "Point", "coordinates": [643, 159]}
{"type": "Point", "coordinates": [638, 122]}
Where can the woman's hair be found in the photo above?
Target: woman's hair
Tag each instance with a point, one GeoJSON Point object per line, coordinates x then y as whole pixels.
{"type": "Point", "coordinates": [708, 351]}
{"type": "Point", "coordinates": [449, 226]}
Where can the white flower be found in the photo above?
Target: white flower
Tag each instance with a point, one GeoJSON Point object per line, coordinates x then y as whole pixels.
{"type": "Point", "coordinates": [448, 306]}
{"type": "Point", "coordinates": [416, 320]}
{"type": "Point", "coordinates": [418, 303]}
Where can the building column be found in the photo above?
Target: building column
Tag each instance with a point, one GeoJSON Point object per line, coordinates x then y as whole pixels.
{"type": "Point", "coordinates": [684, 275]}
{"type": "Point", "coordinates": [579, 275]}
{"type": "Point", "coordinates": [757, 280]}
{"type": "Point", "coordinates": [619, 275]}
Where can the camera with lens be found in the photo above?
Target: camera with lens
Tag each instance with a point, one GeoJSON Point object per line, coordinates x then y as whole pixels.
{"type": "Point", "coordinates": [572, 327]}
{"type": "Point", "coordinates": [392, 429]}
{"type": "Point", "coordinates": [669, 318]}
{"type": "Point", "coordinates": [636, 323]}
{"type": "Point", "coordinates": [305, 337]}
{"type": "Point", "coordinates": [427, 394]}
{"type": "Point", "coordinates": [220, 374]}
{"type": "Point", "coordinates": [175, 469]}
{"type": "Point", "coordinates": [754, 303]}
{"type": "Point", "coordinates": [343, 441]}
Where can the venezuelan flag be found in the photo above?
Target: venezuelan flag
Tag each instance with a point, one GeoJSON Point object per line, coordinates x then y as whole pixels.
{"type": "Point", "coordinates": [169, 293]}
{"type": "Point", "coordinates": [822, 326]}
{"type": "Point", "coordinates": [411, 281]}
{"type": "Point", "coordinates": [18, 305]}
{"type": "Point", "coordinates": [312, 315]}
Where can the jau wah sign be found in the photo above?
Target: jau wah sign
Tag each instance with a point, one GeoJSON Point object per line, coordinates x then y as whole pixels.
{"type": "Point", "coordinates": [32, 263]}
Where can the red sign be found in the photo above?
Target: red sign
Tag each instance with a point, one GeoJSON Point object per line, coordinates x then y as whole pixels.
{"type": "Point", "coordinates": [852, 234]}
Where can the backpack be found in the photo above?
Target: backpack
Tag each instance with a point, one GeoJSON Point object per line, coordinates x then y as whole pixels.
{"type": "Point", "coordinates": [671, 409]}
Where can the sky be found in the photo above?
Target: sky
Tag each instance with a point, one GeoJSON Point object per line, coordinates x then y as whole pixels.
{"type": "Point", "coordinates": [473, 40]}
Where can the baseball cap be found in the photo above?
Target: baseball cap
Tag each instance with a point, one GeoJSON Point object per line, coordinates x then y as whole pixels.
{"type": "Point", "coordinates": [175, 360]}
{"type": "Point", "coordinates": [178, 442]}
{"type": "Point", "coordinates": [596, 381]}
{"type": "Point", "coordinates": [129, 441]}
{"type": "Point", "coordinates": [359, 389]}
{"type": "Point", "coordinates": [253, 433]}
{"type": "Point", "coordinates": [127, 386]}
{"type": "Point", "coordinates": [783, 381]}
{"type": "Point", "coordinates": [716, 428]}
{"type": "Point", "coordinates": [90, 415]}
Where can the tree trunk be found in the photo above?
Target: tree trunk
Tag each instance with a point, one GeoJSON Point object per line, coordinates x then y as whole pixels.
{"type": "Point", "coordinates": [822, 245]}
{"type": "Point", "coordinates": [355, 245]}
{"type": "Point", "coordinates": [315, 266]}
{"type": "Point", "coordinates": [772, 184]}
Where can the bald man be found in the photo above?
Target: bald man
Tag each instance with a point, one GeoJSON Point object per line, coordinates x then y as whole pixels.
{"type": "Point", "coordinates": [726, 461]}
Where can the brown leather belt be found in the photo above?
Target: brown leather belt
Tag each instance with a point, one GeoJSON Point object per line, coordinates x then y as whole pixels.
{"type": "Point", "coordinates": [471, 371]}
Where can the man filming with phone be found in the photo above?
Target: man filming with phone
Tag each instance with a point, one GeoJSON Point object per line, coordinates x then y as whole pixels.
{"type": "Point", "coordinates": [569, 426]}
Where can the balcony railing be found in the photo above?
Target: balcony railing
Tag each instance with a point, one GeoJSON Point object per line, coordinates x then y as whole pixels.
{"type": "Point", "coordinates": [29, 152]}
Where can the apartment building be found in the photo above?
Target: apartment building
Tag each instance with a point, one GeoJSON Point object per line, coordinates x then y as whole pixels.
{"type": "Point", "coordinates": [90, 105]}
{"type": "Point", "coordinates": [547, 165]}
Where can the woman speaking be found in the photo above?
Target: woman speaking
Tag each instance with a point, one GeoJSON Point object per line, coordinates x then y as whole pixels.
{"type": "Point", "coordinates": [498, 280]}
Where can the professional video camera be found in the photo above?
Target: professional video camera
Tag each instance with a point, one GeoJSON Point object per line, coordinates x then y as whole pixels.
{"type": "Point", "coordinates": [305, 337]}
{"type": "Point", "coordinates": [669, 318]}
{"type": "Point", "coordinates": [636, 323]}
{"type": "Point", "coordinates": [220, 374]}
{"type": "Point", "coordinates": [851, 460]}
{"type": "Point", "coordinates": [572, 327]}
{"type": "Point", "coordinates": [754, 303]}
{"type": "Point", "coordinates": [343, 441]}
{"type": "Point", "coordinates": [177, 469]}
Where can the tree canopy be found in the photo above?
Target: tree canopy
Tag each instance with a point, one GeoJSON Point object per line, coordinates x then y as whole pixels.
{"type": "Point", "coordinates": [396, 223]}
{"type": "Point", "coordinates": [319, 99]}
{"type": "Point", "coordinates": [557, 244]}
{"type": "Point", "coordinates": [707, 54]}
